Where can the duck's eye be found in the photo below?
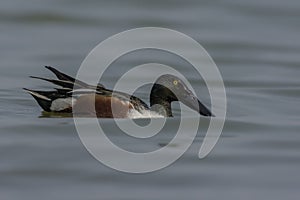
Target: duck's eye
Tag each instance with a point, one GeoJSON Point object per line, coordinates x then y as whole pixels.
{"type": "Point", "coordinates": [175, 82]}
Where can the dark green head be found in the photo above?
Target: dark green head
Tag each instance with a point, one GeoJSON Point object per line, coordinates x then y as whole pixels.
{"type": "Point", "coordinates": [169, 88]}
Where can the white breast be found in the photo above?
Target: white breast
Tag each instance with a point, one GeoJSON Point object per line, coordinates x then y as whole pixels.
{"type": "Point", "coordinates": [134, 114]}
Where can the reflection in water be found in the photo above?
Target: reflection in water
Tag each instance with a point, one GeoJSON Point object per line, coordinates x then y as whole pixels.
{"type": "Point", "coordinates": [45, 114]}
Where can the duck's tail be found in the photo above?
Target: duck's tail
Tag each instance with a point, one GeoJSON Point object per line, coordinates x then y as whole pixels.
{"type": "Point", "coordinates": [44, 98]}
{"type": "Point", "coordinates": [67, 85]}
{"type": "Point", "coordinates": [64, 78]}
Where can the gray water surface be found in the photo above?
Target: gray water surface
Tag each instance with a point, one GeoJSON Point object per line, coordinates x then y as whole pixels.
{"type": "Point", "coordinates": [256, 46]}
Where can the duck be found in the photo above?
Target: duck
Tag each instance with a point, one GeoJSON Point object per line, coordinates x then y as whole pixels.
{"type": "Point", "coordinates": [75, 96]}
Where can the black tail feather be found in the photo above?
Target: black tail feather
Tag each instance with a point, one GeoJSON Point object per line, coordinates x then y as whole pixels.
{"type": "Point", "coordinates": [62, 83]}
{"type": "Point", "coordinates": [43, 98]}
{"type": "Point", "coordinates": [65, 77]}
{"type": "Point", "coordinates": [68, 83]}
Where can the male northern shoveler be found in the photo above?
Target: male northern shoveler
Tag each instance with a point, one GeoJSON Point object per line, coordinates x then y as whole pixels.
{"type": "Point", "coordinates": [75, 95]}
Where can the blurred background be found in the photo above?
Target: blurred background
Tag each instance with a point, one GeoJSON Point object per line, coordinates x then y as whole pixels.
{"type": "Point", "coordinates": [256, 46]}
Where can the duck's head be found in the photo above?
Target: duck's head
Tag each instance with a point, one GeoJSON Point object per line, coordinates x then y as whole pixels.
{"type": "Point", "coordinates": [169, 88]}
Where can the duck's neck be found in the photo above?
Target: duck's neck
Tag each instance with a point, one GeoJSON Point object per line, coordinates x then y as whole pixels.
{"type": "Point", "coordinates": [161, 106]}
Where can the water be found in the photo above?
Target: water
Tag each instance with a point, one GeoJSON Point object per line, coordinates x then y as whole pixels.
{"type": "Point", "coordinates": [256, 47]}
